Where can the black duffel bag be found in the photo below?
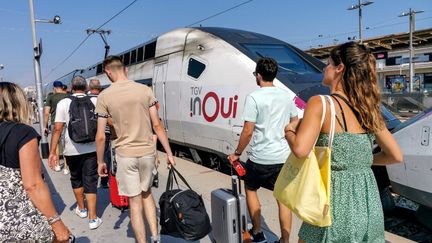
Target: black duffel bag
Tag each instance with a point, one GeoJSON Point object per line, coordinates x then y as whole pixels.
{"type": "Point", "coordinates": [182, 212]}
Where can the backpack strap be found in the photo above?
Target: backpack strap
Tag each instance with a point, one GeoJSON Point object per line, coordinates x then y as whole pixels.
{"type": "Point", "coordinates": [6, 128]}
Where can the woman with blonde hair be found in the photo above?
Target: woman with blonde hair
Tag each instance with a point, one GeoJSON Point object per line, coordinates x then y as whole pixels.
{"type": "Point", "coordinates": [355, 205]}
{"type": "Point", "coordinates": [27, 212]}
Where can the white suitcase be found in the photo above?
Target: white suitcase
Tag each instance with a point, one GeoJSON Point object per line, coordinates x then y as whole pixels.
{"type": "Point", "coordinates": [228, 222]}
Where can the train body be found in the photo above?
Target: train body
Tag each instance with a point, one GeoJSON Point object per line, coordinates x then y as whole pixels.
{"type": "Point", "coordinates": [201, 77]}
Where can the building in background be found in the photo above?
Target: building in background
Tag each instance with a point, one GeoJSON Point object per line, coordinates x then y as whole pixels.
{"type": "Point", "coordinates": [392, 54]}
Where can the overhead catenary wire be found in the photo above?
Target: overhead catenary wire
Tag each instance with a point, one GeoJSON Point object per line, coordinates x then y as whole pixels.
{"type": "Point", "coordinates": [86, 38]}
{"type": "Point", "coordinates": [219, 13]}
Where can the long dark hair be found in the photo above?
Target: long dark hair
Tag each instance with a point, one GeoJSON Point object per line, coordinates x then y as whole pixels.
{"type": "Point", "coordinates": [360, 82]}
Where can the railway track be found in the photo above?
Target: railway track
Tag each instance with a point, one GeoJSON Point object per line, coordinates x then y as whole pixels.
{"type": "Point", "coordinates": [402, 221]}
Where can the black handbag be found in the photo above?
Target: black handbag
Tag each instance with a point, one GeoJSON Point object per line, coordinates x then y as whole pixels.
{"type": "Point", "coordinates": [182, 212]}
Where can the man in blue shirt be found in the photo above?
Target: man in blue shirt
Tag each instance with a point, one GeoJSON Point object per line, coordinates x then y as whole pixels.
{"type": "Point", "coordinates": [266, 113]}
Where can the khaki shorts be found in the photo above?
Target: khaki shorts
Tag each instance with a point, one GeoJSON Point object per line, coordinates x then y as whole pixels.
{"type": "Point", "coordinates": [134, 175]}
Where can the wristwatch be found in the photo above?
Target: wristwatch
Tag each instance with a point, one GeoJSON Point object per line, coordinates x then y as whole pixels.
{"type": "Point", "coordinates": [237, 153]}
{"type": "Point", "coordinates": [53, 219]}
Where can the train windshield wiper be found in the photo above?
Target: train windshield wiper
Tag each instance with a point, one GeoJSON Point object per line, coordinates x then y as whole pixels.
{"type": "Point", "coordinates": [287, 69]}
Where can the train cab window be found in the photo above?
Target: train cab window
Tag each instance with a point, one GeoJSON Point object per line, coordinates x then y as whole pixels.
{"type": "Point", "coordinates": [126, 58]}
{"type": "Point", "coordinates": [288, 60]}
{"type": "Point", "coordinates": [140, 55]}
{"type": "Point", "coordinates": [195, 68]}
{"type": "Point", "coordinates": [133, 56]}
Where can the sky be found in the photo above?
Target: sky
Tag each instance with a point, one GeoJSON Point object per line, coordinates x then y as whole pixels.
{"type": "Point", "coordinates": [305, 24]}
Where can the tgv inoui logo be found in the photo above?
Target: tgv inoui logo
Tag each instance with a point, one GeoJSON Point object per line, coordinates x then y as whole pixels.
{"type": "Point", "coordinates": [211, 104]}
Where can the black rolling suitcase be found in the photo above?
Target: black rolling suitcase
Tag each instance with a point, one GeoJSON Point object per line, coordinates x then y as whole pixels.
{"type": "Point", "coordinates": [229, 214]}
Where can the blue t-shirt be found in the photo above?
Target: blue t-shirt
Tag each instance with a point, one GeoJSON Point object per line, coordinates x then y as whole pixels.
{"type": "Point", "coordinates": [271, 109]}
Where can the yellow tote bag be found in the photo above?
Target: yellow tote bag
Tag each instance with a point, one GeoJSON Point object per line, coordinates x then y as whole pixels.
{"type": "Point", "coordinates": [303, 185]}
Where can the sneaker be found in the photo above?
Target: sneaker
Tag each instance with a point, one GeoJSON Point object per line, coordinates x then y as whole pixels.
{"type": "Point", "coordinates": [82, 213]}
{"type": "Point", "coordinates": [95, 223]}
{"type": "Point", "coordinates": [258, 237]}
{"type": "Point", "coordinates": [66, 171]}
{"type": "Point", "coordinates": [155, 239]}
{"type": "Point", "coordinates": [57, 168]}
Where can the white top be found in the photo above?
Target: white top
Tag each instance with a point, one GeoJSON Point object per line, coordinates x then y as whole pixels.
{"type": "Point", "coordinates": [62, 115]}
{"type": "Point", "coordinates": [271, 109]}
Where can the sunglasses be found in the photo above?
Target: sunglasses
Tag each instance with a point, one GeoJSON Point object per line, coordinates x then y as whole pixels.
{"type": "Point", "coordinates": [255, 74]}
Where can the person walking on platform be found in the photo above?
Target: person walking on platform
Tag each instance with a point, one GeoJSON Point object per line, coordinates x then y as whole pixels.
{"type": "Point", "coordinates": [266, 113]}
{"type": "Point", "coordinates": [27, 212]}
{"type": "Point", "coordinates": [81, 156]}
{"type": "Point", "coordinates": [50, 113]}
{"type": "Point", "coordinates": [355, 205]}
{"type": "Point", "coordinates": [132, 107]}
{"type": "Point", "coordinates": [94, 89]}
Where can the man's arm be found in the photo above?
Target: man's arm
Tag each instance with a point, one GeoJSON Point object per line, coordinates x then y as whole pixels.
{"type": "Point", "coordinates": [46, 116]}
{"type": "Point", "coordinates": [245, 138]}
{"type": "Point", "coordinates": [55, 137]}
{"type": "Point", "coordinates": [160, 133]}
{"type": "Point", "coordinates": [100, 146]}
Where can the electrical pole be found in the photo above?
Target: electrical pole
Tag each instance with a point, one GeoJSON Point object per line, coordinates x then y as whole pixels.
{"type": "Point", "coordinates": [359, 7]}
{"type": "Point", "coordinates": [37, 52]}
{"type": "Point", "coordinates": [411, 14]}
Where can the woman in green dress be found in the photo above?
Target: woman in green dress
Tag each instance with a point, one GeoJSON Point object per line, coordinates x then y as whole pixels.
{"type": "Point", "coordinates": [354, 201]}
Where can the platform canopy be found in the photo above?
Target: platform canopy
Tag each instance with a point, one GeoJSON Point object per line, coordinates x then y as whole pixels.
{"type": "Point", "coordinates": [383, 43]}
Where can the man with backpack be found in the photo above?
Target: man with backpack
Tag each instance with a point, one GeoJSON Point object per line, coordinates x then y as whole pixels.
{"type": "Point", "coordinates": [76, 112]}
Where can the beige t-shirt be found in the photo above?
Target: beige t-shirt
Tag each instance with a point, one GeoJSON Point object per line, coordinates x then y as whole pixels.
{"type": "Point", "coordinates": [128, 103]}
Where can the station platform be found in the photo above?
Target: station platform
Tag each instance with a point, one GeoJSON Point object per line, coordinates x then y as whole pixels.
{"type": "Point", "coordinates": [116, 225]}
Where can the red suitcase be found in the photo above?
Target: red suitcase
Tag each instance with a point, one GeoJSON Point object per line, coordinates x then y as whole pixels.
{"type": "Point", "coordinates": [121, 202]}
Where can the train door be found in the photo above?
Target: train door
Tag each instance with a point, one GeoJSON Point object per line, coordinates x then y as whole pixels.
{"type": "Point", "coordinates": [159, 82]}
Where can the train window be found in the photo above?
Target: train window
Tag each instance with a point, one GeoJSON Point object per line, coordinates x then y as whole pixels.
{"type": "Point", "coordinates": [195, 68]}
{"type": "Point", "coordinates": [288, 60]}
{"type": "Point", "coordinates": [140, 56]}
{"type": "Point", "coordinates": [126, 58]}
{"type": "Point", "coordinates": [150, 50]}
{"type": "Point", "coordinates": [99, 68]}
{"type": "Point", "coordinates": [133, 57]}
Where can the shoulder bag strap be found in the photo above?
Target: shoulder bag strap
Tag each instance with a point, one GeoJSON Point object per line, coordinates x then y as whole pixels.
{"type": "Point", "coordinates": [324, 105]}
{"type": "Point", "coordinates": [181, 177]}
{"type": "Point", "coordinates": [332, 121]}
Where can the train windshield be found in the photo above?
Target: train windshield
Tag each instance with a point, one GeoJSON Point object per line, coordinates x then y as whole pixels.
{"type": "Point", "coordinates": [288, 60]}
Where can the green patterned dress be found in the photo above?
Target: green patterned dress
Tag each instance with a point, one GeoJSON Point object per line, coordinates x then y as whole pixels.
{"type": "Point", "coordinates": [355, 204]}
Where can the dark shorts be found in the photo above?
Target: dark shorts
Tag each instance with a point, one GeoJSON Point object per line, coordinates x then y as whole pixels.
{"type": "Point", "coordinates": [258, 175]}
{"type": "Point", "coordinates": [83, 170]}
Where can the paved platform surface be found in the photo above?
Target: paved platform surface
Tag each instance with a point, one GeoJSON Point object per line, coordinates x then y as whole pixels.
{"type": "Point", "coordinates": [116, 226]}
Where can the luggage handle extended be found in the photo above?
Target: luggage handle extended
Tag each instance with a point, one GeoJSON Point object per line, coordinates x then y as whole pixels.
{"type": "Point", "coordinates": [236, 189]}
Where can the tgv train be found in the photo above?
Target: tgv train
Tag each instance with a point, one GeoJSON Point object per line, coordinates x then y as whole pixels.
{"type": "Point", "coordinates": [413, 177]}
{"type": "Point", "coordinates": [201, 77]}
